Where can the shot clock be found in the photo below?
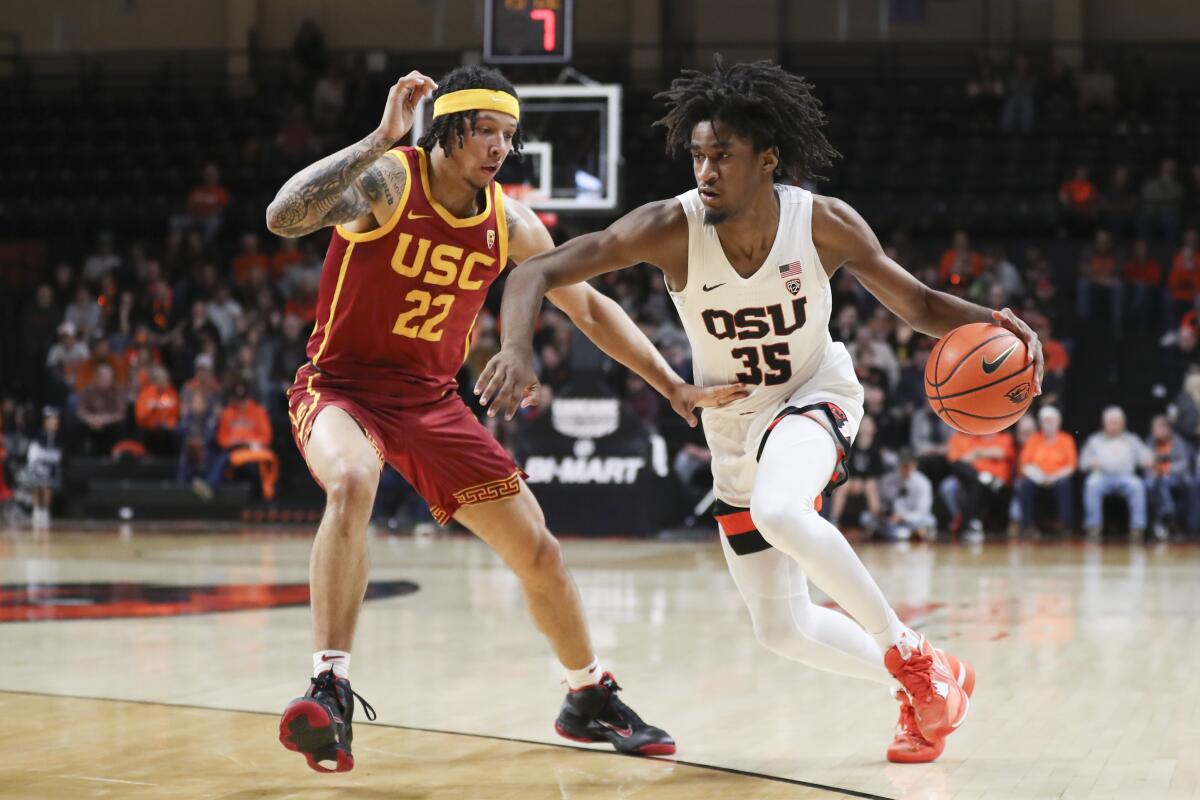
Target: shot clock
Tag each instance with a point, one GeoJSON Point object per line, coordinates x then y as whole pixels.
{"type": "Point", "coordinates": [527, 31]}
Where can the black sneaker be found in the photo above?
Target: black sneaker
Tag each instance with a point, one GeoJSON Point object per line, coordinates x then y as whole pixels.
{"type": "Point", "coordinates": [318, 724]}
{"type": "Point", "coordinates": [596, 714]}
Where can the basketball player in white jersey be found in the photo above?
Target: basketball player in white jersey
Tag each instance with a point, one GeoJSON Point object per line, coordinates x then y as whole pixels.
{"type": "Point", "coordinates": [748, 262]}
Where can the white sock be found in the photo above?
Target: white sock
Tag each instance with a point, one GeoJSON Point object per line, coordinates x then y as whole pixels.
{"type": "Point", "coordinates": [585, 676]}
{"type": "Point", "coordinates": [337, 660]}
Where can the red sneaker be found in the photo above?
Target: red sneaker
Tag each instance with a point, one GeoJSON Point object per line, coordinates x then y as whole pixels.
{"type": "Point", "coordinates": [939, 703]}
{"type": "Point", "coordinates": [909, 746]}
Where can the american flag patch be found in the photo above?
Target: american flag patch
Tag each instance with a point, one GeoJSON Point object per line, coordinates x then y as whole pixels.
{"type": "Point", "coordinates": [790, 270]}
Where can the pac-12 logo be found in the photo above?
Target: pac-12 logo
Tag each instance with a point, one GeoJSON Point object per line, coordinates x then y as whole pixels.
{"type": "Point", "coordinates": [491, 238]}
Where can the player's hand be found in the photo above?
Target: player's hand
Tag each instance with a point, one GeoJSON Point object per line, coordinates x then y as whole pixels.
{"type": "Point", "coordinates": [400, 111]}
{"type": "Point", "coordinates": [507, 383]}
{"type": "Point", "coordinates": [686, 398]}
{"type": "Point", "coordinates": [1006, 319]}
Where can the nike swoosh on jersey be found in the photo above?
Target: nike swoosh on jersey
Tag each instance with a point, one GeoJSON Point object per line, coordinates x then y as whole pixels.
{"type": "Point", "coordinates": [991, 366]}
{"type": "Point", "coordinates": [708, 288]}
{"type": "Point", "coordinates": [411, 215]}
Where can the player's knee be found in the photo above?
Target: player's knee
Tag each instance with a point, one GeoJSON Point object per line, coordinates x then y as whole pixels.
{"type": "Point", "coordinates": [776, 514]}
{"type": "Point", "coordinates": [544, 557]}
{"type": "Point", "coordinates": [780, 634]}
{"type": "Point", "coordinates": [351, 486]}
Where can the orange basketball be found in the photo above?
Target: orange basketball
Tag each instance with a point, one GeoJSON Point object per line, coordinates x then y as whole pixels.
{"type": "Point", "coordinates": [978, 379]}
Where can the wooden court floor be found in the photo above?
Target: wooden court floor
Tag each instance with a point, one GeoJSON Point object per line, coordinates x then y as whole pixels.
{"type": "Point", "coordinates": [148, 663]}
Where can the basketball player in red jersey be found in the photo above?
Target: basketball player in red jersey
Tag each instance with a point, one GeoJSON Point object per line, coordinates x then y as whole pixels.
{"type": "Point", "coordinates": [748, 260]}
{"type": "Point", "coordinates": [421, 233]}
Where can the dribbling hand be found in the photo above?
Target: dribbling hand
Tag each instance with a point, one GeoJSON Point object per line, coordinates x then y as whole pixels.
{"type": "Point", "coordinates": [1006, 319]}
{"type": "Point", "coordinates": [400, 111]}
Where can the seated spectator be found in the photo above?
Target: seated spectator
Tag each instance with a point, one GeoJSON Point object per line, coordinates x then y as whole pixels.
{"type": "Point", "coordinates": [1170, 482]}
{"type": "Point", "coordinates": [101, 355]}
{"type": "Point", "coordinates": [1144, 275]}
{"type": "Point", "coordinates": [881, 356]}
{"type": "Point", "coordinates": [205, 204]}
{"type": "Point", "coordinates": [296, 139]}
{"type": "Point", "coordinates": [960, 264]}
{"type": "Point", "coordinates": [224, 312]}
{"type": "Point", "coordinates": [980, 467]}
{"type": "Point", "coordinates": [891, 421]}
{"type": "Point", "coordinates": [43, 467]}
{"type": "Point", "coordinates": [63, 362]}
{"type": "Point", "coordinates": [157, 413]}
{"type": "Point", "coordinates": [908, 501]}
{"type": "Point", "coordinates": [249, 258]}
{"type": "Point", "coordinates": [140, 357]}
{"type": "Point", "coordinates": [103, 261]}
{"type": "Point", "coordinates": [1112, 457]}
{"type": "Point", "coordinates": [1020, 98]}
{"type": "Point", "coordinates": [1119, 205]}
{"type": "Point", "coordinates": [1184, 280]}
{"type": "Point", "coordinates": [866, 468]}
{"type": "Point", "coordinates": [287, 255]}
{"type": "Point", "coordinates": [244, 436]}
{"type": "Point", "coordinates": [1056, 360]}
{"type": "Point", "coordinates": [929, 438]}
{"type": "Point", "coordinates": [1079, 200]}
{"type": "Point", "coordinates": [1048, 462]}
{"type": "Point", "coordinates": [1100, 293]}
{"type": "Point", "coordinates": [302, 304]}
{"type": "Point", "coordinates": [200, 463]}
{"type": "Point", "coordinates": [101, 412]}
{"type": "Point", "coordinates": [998, 270]}
{"type": "Point", "coordinates": [646, 402]}
{"type": "Point", "coordinates": [1162, 197]}
{"type": "Point", "coordinates": [194, 334]}
{"type": "Point", "coordinates": [203, 383]}
{"type": "Point", "coordinates": [83, 312]}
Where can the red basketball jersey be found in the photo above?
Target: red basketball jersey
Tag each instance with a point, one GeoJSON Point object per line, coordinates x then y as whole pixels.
{"type": "Point", "coordinates": [397, 304]}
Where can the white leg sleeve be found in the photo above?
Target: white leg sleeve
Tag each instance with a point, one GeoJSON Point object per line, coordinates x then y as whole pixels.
{"type": "Point", "coordinates": [787, 622]}
{"type": "Point", "coordinates": [795, 466]}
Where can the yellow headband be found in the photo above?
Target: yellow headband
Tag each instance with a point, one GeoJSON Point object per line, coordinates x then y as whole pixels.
{"type": "Point", "coordinates": [476, 100]}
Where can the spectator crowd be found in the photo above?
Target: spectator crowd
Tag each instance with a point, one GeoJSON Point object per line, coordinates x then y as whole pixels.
{"type": "Point", "coordinates": [180, 346]}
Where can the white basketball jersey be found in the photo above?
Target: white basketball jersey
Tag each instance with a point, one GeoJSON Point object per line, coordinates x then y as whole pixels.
{"type": "Point", "coordinates": [769, 332]}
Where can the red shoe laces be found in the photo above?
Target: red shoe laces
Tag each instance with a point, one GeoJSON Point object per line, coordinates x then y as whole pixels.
{"type": "Point", "coordinates": [914, 677]}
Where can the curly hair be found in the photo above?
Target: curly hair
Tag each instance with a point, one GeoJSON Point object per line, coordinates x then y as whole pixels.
{"type": "Point", "coordinates": [448, 130]}
{"type": "Point", "coordinates": [761, 101]}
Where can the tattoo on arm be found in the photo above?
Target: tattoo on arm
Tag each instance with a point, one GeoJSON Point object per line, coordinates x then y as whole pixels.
{"type": "Point", "coordinates": [326, 193]}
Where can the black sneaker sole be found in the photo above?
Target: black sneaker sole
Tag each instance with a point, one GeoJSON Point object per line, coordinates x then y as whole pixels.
{"type": "Point", "coordinates": [307, 728]}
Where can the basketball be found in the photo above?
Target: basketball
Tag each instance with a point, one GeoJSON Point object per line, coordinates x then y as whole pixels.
{"type": "Point", "coordinates": [978, 379]}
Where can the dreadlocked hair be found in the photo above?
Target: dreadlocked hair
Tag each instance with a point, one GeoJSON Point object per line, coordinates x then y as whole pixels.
{"type": "Point", "coordinates": [762, 101]}
{"type": "Point", "coordinates": [448, 130]}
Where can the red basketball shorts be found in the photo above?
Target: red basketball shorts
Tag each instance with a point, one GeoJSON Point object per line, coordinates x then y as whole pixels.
{"type": "Point", "coordinates": [439, 447]}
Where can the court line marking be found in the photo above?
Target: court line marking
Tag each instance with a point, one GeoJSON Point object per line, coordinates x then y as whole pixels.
{"type": "Point", "coordinates": [107, 780]}
{"type": "Point", "coordinates": [711, 767]}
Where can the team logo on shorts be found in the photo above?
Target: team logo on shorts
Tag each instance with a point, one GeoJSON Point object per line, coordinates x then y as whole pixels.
{"type": "Point", "coordinates": [491, 238]}
{"type": "Point", "coordinates": [1017, 394]}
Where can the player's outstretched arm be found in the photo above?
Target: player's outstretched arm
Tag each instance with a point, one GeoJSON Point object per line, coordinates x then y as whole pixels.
{"type": "Point", "coordinates": [843, 239]}
{"type": "Point", "coordinates": [352, 183]}
{"type": "Point", "coordinates": [604, 322]}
